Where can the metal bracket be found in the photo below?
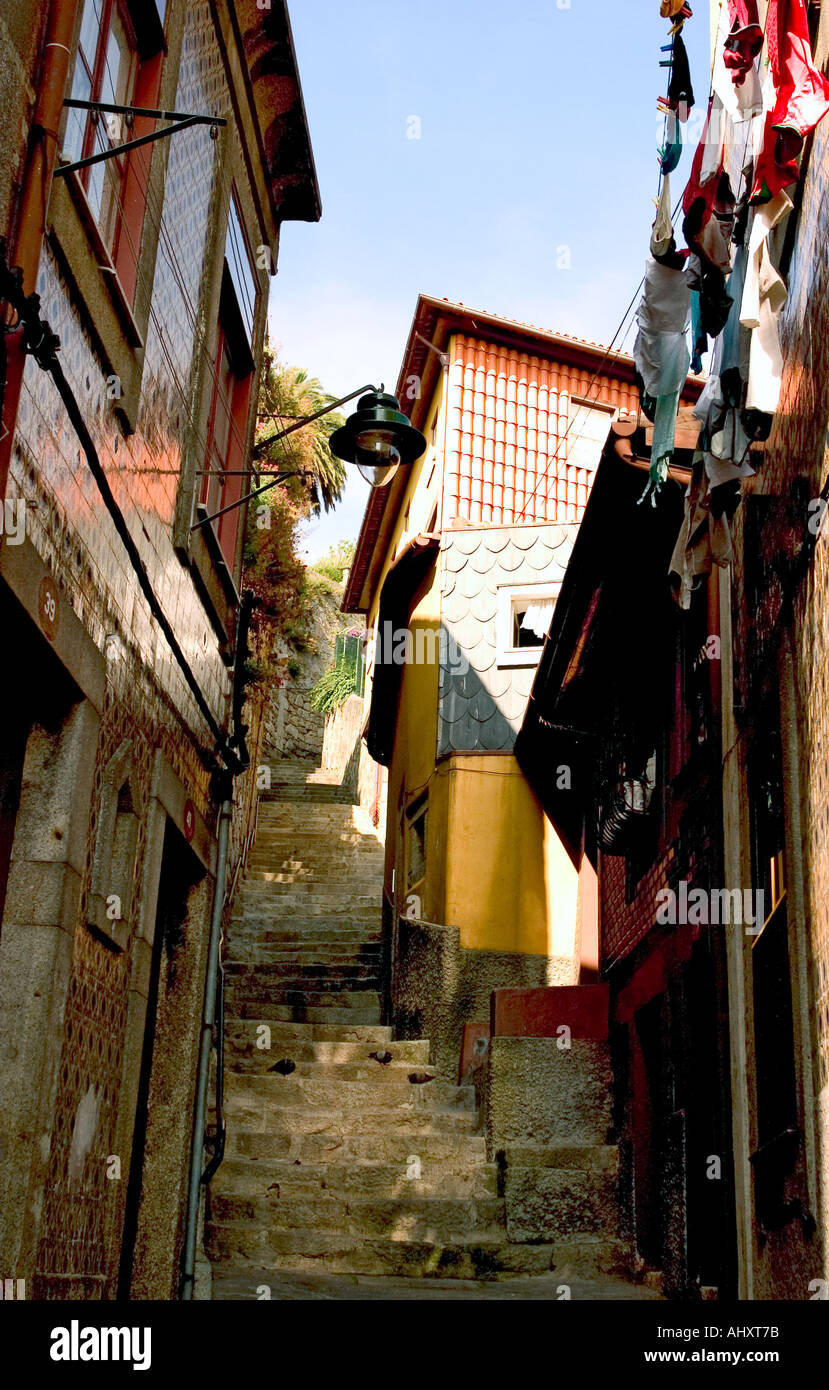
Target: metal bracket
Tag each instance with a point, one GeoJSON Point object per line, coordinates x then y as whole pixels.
{"type": "Point", "coordinates": [180, 119]}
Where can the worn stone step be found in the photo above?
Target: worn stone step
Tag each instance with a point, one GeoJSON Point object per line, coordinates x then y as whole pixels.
{"type": "Point", "coordinates": [241, 1042]}
{"type": "Point", "coordinates": [275, 953]}
{"type": "Point", "coordinates": [322, 1137]}
{"type": "Point", "coordinates": [300, 973]}
{"type": "Point", "coordinates": [357, 1179]}
{"type": "Point", "coordinates": [335, 1252]}
{"type": "Point", "coordinates": [242, 1052]}
{"type": "Point", "coordinates": [309, 1033]}
{"type": "Point", "coordinates": [251, 992]}
{"type": "Point", "coordinates": [364, 1068]}
{"type": "Point", "coordinates": [266, 914]}
{"type": "Point", "coordinates": [286, 1013]}
{"type": "Point", "coordinates": [274, 1091]}
{"type": "Point", "coordinates": [410, 1217]}
{"type": "Point", "coordinates": [302, 931]}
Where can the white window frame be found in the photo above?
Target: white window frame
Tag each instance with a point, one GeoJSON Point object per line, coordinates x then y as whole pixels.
{"type": "Point", "coordinates": [508, 596]}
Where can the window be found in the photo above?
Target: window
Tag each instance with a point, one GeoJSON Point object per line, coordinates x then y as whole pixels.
{"type": "Point", "coordinates": [237, 257]}
{"type": "Point", "coordinates": [105, 70]}
{"type": "Point", "coordinates": [223, 482]}
{"type": "Point", "coordinates": [118, 61]}
{"type": "Point", "coordinates": [777, 1110]}
{"type": "Point", "coordinates": [523, 621]}
{"type": "Point", "coordinates": [416, 844]}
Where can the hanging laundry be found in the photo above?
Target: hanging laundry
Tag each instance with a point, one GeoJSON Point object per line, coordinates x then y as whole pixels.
{"type": "Point", "coordinates": [671, 152]}
{"type": "Point", "coordinates": [680, 91]}
{"type": "Point", "coordinates": [704, 538]}
{"type": "Point", "coordinates": [802, 98]}
{"type": "Point", "coordinates": [744, 40]}
{"type": "Point", "coordinates": [670, 8]}
{"type": "Point", "coordinates": [704, 187]}
{"type": "Point", "coordinates": [661, 358]}
{"type": "Point", "coordinates": [663, 228]}
{"type": "Point", "coordinates": [764, 295]}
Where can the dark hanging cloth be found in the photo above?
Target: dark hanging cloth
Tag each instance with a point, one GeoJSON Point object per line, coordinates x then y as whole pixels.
{"type": "Point", "coordinates": [680, 91]}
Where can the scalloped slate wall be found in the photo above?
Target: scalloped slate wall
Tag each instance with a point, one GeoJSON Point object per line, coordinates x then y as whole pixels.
{"type": "Point", "coordinates": [480, 711]}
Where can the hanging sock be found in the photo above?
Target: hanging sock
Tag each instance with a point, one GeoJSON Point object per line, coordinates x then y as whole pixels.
{"type": "Point", "coordinates": [802, 98]}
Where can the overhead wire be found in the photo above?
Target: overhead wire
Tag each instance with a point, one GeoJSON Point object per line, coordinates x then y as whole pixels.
{"type": "Point", "coordinates": [587, 399]}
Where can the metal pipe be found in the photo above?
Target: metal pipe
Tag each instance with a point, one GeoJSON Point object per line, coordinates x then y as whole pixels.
{"type": "Point", "coordinates": [188, 1264]}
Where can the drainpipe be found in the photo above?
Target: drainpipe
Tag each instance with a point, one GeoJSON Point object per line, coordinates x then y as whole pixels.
{"type": "Point", "coordinates": [188, 1269]}
{"type": "Point", "coordinates": [26, 244]}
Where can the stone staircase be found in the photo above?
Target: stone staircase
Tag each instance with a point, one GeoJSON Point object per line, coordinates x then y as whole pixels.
{"type": "Point", "coordinates": [346, 1154]}
{"type": "Point", "coordinates": [350, 1161]}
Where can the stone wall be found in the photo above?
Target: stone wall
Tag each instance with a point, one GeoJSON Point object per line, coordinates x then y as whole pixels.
{"type": "Point", "coordinates": [344, 752]}
{"type": "Point", "coordinates": [439, 985]}
{"type": "Point", "coordinates": [292, 728]}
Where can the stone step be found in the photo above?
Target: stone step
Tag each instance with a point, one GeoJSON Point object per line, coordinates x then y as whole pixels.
{"type": "Point", "coordinates": [335, 1252]}
{"type": "Point", "coordinates": [331, 895]}
{"type": "Point", "coordinates": [286, 1013]}
{"type": "Point", "coordinates": [251, 993]}
{"type": "Point", "coordinates": [272, 953]}
{"type": "Point", "coordinates": [360, 1179]}
{"type": "Point", "coordinates": [250, 913]}
{"type": "Point", "coordinates": [274, 1091]}
{"type": "Point", "coordinates": [308, 931]}
{"type": "Point", "coordinates": [303, 972]}
{"type": "Point", "coordinates": [308, 1033]}
{"type": "Point", "coordinates": [316, 1136]}
{"type": "Point", "coordinates": [436, 1219]}
{"type": "Point", "coordinates": [316, 792]}
{"type": "Point", "coordinates": [363, 1068]}
{"type": "Point", "coordinates": [240, 1042]}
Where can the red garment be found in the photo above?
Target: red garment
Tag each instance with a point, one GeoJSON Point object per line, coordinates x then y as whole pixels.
{"type": "Point", "coordinates": [802, 97]}
{"type": "Point", "coordinates": [695, 189]}
{"type": "Point", "coordinates": [744, 41]}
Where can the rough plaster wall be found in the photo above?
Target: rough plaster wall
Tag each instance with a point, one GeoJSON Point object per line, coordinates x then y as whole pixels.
{"type": "Point", "coordinates": [439, 985]}
{"type": "Point", "coordinates": [344, 752]}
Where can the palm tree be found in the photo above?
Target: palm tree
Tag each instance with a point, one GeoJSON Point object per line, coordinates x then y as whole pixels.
{"type": "Point", "coordinates": [311, 472]}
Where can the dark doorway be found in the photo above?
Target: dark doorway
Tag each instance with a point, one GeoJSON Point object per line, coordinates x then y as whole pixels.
{"type": "Point", "coordinates": [180, 872]}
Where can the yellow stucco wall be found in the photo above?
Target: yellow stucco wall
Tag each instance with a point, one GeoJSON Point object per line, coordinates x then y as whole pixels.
{"type": "Point", "coordinates": [495, 867]}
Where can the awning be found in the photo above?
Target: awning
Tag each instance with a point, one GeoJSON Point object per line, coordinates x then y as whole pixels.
{"type": "Point", "coordinates": [610, 650]}
{"type": "Point", "coordinates": [396, 599]}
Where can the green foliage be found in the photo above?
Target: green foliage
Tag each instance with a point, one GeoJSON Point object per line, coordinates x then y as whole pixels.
{"type": "Point", "coordinates": [288, 394]}
{"type": "Point", "coordinates": [343, 679]}
{"type": "Point", "coordinates": [335, 563]}
{"type": "Point", "coordinates": [332, 690]}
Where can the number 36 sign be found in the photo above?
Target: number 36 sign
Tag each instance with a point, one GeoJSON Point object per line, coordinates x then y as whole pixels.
{"type": "Point", "coordinates": [48, 607]}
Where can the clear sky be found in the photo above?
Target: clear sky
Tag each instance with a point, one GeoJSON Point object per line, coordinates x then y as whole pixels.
{"type": "Point", "coordinates": [538, 146]}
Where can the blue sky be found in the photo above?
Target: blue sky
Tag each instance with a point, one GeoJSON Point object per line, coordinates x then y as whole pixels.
{"type": "Point", "coordinates": [538, 131]}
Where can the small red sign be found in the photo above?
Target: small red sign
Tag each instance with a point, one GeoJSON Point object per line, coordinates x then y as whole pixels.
{"type": "Point", "coordinates": [189, 820]}
{"type": "Point", "coordinates": [48, 607]}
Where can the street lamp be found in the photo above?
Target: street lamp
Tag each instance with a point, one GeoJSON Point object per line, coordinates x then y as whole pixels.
{"type": "Point", "coordinates": [378, 438]}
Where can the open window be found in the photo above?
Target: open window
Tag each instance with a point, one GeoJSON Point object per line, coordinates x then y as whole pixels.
{"type": "Point", "coordinates": [523, 621]}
